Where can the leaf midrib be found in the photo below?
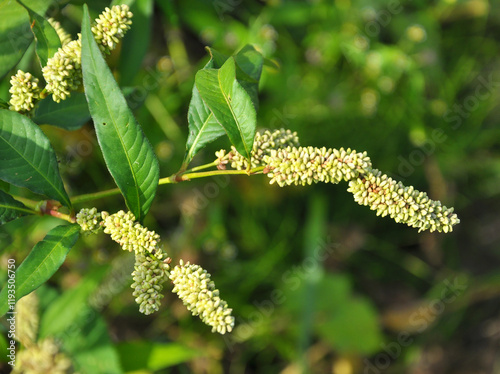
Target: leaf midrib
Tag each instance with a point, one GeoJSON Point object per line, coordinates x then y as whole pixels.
{"type": "Point", "coordinates": [118, 133]}
{"type": "Point", "coordinates": [228, 102]}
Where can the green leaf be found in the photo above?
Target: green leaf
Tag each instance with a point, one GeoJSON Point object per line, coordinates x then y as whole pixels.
{"type": "Point", "coordinates": [27, 158]}
{"type": "Point", "coordinates": [42, 262]}
{"type": "Point", "coordinates": [154, 356]}
{"type": "Point", "coordinates": [217, 59]}
{"type": "Point", "coordinates": [127, 152]}
{"type": "Point", "coordinates": [47, 41]}
{"type": "Point", "coordinates": [249, 68]}
{"type": "Point", "coordinates": [69, 114]}
{"type": "Point", "coordinates": [203, 127]}
{"type": "Point", "coordinates": [11, 209]}
{"type": "Point", "coordinates": [230, 104]}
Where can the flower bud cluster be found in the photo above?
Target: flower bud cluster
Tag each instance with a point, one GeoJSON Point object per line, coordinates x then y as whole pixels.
{"type": "Point", "coordinates": [64, 37]}
{"type": "Point", "coordinates": [149, 275]}
{"type": "Point", "coordinates": [63, 72]}
{"type": "Point", "coordinates": [89, 220]}
{"type": "Point", "coordinates": [27, 319]}
{"type": "Point", "coordinates": [305, 165]}
{"type": "Point", "coordinates": [264, 143]}
{"type": "Point", "coordinates": [403, 204]}
{"type": "Point", "coordinates": [194, 287]}
{"type": "Point", "coordinates": [43, 357]}
{"type": "Point", "coordinates": [131, 235]}
{"type": "Point", "coordinates": [24, 92]}
{"type": "Point", "coordinates": [150, 272]}
{"type": "Point", "coordinates": [111, 26]}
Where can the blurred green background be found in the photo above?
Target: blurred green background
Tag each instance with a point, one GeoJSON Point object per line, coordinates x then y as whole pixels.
{"type": "Point", "coordinates": [317, 283]}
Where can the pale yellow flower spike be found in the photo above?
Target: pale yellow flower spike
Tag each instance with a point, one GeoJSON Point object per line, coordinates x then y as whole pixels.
{"type": "Point", "coordinates": [194, 287]}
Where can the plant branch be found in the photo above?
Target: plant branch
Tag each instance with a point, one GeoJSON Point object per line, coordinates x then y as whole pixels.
{"type": "Point", "coordinates": [94, 196]}
{"type": "Point", "coordinates": [174, 178]}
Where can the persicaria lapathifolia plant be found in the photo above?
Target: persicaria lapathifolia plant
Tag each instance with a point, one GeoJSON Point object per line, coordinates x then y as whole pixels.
{"type": "Point", "coordinates": [224, 102]}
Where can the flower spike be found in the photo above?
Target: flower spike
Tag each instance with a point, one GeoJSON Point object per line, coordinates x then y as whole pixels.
{"type": "Point", "coordinates": [196, 290]}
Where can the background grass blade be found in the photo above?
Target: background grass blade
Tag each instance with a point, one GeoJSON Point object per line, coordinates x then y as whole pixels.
{"type": "Point", "coordinates": [42, 262]}
{"type": "Point", "coordinates": [230, 104]}
{"type": "Point", "coordinates": [27, 158]}
{"type": "Point", "coordinates": [11, 209]}
{"type": "Point", "coordinates": [127, 152]}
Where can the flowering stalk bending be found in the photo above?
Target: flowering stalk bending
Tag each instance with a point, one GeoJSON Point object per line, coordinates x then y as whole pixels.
{"type": "Point", "coordinates": [285, 163]}
{"type": "Point", "coordinates": [191, 282]}
{"type": "Point", "coordinates": [403, 204]}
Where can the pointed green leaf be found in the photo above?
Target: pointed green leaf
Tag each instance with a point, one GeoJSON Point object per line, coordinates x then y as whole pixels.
{"type": "Point", "coordinates": [27, 158]}
{"type": "Point", "coordinates": [230, 104]}
{"type": "Point", "coordinates": [217, 59]}
{"type": "Point", "coordinates": [46, 38]}
{"type": "Point", "coordinates": [203, 127]}
{"type": "Point", "coordinates": [69, 114]}
{"type": "Point", "coordinates": [11, 209]}
{"type": "Point", "coordinates": [42, 262]}
{"type": "Point", "coordinates": [126, 150]}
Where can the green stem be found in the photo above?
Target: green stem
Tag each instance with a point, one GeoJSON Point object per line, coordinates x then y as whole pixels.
{"type": "Point", "coordinates": [94, 196]}
{"type": "Point", "coordinates": [174, 178]}
{"type": "Point", "coordinates": [33, 205]}
{"type": "Point", "coordinates": [63, 216]}
{"type": "Point", "coordinates": [201, 167]}
{"type": "Point", "coordinates": [39, 208]}
{"type": "Point", "coordinates": [189, 176]}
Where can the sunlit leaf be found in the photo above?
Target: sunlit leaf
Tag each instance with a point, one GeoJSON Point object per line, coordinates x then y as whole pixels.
{"type": "Point", "coordinates": [230, 104]}
{"type": "Point", "coordinates": [126, 150]}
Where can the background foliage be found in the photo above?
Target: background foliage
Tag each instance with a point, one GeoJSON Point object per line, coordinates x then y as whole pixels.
{"type": "Point", "coordinates": [317, 283]}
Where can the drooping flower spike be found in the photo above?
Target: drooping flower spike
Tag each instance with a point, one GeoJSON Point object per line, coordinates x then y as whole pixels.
{"type": "Point", "coordinates": [285, 163]}
{"type": "Point", "coordinates": [403, 204]}
{"type": "Point", "coordinates": [197, 291]}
